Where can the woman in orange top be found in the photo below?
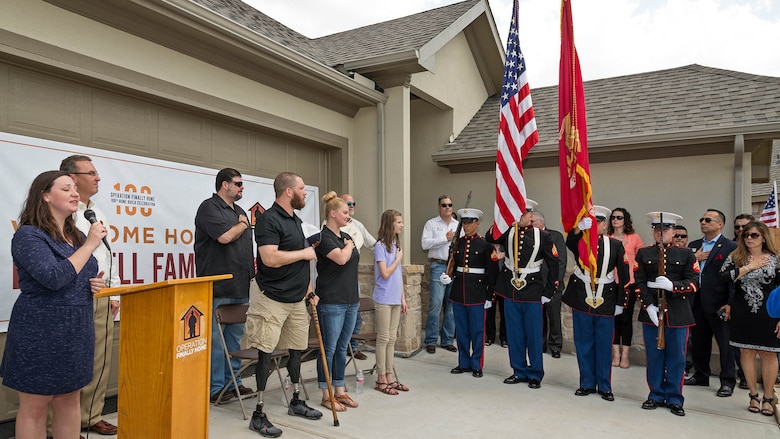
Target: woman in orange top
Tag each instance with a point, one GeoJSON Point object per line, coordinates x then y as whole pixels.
{"type": "Point", "coordinates": [621, 228]}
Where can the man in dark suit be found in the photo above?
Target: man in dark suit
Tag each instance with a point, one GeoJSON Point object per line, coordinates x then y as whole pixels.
{"type": "Point", "coordinates": [715, 294]}
{"type": "Point", "coordinates": [551, 323]}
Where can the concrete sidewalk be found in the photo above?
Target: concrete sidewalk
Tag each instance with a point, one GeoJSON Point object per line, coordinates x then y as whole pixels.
{"type": "Point", "coordinates": [442, 405]}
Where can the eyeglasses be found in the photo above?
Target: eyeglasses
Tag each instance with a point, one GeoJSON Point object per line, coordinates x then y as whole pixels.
{"type": "Point", "coordinates": [238, 183]}
{"type": "Point", "coordinates": [679, 236]}
{"type": "Point", "coordinates": [616, 217]}
{"type": "Point", "coordinates": [707, 220]}
{"type": "Point", "coordinates": [754, 235]}
{"type": "Point", "coordinates": [351, 203]}
{"type": "Point", "coordinates": [90, 173]}
{"type": "Point", "coordinates": [446, 205]}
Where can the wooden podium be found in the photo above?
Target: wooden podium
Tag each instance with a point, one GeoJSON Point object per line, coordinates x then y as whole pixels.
{"type": "Point", "coordinates": [165, 358]}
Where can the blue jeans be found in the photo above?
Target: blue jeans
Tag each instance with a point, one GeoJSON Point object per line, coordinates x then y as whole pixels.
{"type": "Point", "coordinates": [440, 295]}
{"type": "Point", "coordinates": [337, 321]}
{"type": "Point", "coordinates": [220, 374]}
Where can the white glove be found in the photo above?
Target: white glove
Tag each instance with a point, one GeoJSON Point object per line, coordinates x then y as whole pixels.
{"type": "Point", "coordinates": [652, 312]}
{"type": "Point", "coordinates": [444, 279]}
{"type": "Point", "coordinates": [661, 282]}
{"type": "Point", "coordinates": [618, 310]}
{"type": "Point", "coordinates": [488, 304]}
{"type": "Point", "coordinates": [585, 224]}
{"type": "Point", "coordinates": [545, 299]}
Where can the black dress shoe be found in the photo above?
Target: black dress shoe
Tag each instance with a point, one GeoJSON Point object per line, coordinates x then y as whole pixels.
{"type": "Point", "coordinates": [431, 349]}
{"type": "Point", "coordinates": [743, 384]}
{"type": "Point", "coordinates": [514, 379]}
{"type": "Point", "coordinates": [584, 392]}
{"type": "Point", "coordinates": [607, 396]}
{"type": "Point", "coordinates": [652, 404]}
{"type": "Point", "coordinates": [697, 381]}
{"type": "Point", "coordinates": [725, 391]}
{"type": "Point", "coordinates": [556, 354]}
{"type": "Point", "coordinates": [534, 384]}
{"type": "Point", "coordinates": [677, 409]}
{"type": "Point", "coordinates": [450, 348]}
{"type": "Point", "coordinates": [459, 370]}
{"type": "Point", "coordinates": [477, 373]}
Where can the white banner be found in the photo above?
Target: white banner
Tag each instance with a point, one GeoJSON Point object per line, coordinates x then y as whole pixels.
{"type": "Point", "coordinates": [150, 205]}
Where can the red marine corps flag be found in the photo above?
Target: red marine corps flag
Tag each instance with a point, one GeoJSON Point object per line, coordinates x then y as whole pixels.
{"type": "Point", "coordinates": [517, 134]}
{"type": "Point", "coordinates": [576, 192]}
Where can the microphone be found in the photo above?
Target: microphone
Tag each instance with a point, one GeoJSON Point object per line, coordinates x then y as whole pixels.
{"type": "Point", "coordinates": [89, 214]}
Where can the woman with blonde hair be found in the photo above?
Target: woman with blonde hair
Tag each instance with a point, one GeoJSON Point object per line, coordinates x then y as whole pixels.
{"type": "Point", "coordinates": [389, 300]}
{"type": "Point", "coordinates": [337, 289]}
{"type": "Point", "coordinates": [754, 269]}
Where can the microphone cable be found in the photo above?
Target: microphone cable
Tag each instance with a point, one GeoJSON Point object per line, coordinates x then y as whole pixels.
{"type": "Point", "coordinates": [109, 320]}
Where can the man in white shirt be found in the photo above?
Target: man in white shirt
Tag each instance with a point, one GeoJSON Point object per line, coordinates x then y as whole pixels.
{"type": "Point", "coordinates": [361, 238]}
{"type": "Point", "coordinates": [105, 309]}
{"type": "Point", "coordinates": [436, 237]}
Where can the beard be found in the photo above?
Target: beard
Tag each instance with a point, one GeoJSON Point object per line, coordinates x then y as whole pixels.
{"type": "Point", "coordinates": [297, 202]}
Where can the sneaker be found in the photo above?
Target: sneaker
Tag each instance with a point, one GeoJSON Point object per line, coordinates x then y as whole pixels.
{"type": "Point", "coordinates": [262, 425]}
{"type": "Point", "coordinates": [298, 407]}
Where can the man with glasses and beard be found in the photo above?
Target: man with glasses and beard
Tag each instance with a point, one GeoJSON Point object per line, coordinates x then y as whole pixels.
{"type": "Point", "coordinates": [711, 305]}
{"type": "Point", "coordinates": [277, 316]}
{"type": "Point", "coordinates": [223, 244]}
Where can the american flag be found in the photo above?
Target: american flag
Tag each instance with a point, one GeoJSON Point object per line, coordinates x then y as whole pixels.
{"type": "Point", "coordinates": [516, 135]}
{"type": "Point", "coordinates": [769, 214]}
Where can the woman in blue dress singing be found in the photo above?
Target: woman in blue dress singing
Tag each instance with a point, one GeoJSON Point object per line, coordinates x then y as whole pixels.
{"type": "Point", "coordinates": [50, 343]}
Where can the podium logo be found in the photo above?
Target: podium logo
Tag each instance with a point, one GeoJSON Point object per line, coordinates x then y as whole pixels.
{"type": "Point", "coordinates": [192, 323]}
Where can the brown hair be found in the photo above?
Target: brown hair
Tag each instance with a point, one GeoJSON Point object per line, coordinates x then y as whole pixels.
{"type": "Point", "coordinates": [35, 211]}
{"type": "Point", "coordinates": [740, 255]}
{"type": "Point", "coordinates": [331, 202]}
{"type": "Point", "coordinates": [284, 181]}
{"type": "Point", "coordinates": [386, 233]}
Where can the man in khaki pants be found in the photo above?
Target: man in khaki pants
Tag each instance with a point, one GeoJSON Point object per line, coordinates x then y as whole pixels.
{"type": "Point", "coordinates": [105, 309]}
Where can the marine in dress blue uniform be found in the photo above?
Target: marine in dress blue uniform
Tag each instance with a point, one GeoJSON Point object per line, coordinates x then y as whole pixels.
{"type": "Point", "coordinates": [665, 367]}
{"type": "Point", "coordinates": [522, 286]}
{"type": "Point", "coordinates": [472, 290]}
{"type": "Point", "coordinates": [594, 309]}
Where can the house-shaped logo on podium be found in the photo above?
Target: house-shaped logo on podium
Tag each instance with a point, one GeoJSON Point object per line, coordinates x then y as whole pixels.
{"type": "Point", "coordinates": [192, 319]}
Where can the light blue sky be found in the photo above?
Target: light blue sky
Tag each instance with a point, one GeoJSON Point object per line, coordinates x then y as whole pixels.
{"type": "Point", "coordinates": [613, 37]}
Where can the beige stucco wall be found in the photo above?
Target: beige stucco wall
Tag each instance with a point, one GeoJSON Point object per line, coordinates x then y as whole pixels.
{"type": "Point", "coordinates": [44, 22]}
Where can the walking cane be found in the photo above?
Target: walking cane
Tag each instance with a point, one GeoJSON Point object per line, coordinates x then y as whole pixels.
{"type": "Point", "coordinates": [324, 363]}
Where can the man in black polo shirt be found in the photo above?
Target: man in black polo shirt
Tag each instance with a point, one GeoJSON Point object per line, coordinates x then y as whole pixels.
{"type": "Point", "coordinates": [223, 244]}
{"type": "Point", "coordinates": [277, 316]}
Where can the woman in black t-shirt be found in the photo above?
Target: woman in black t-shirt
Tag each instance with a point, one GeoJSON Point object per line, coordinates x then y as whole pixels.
{"type": "Point", "coordinates": [337, 288]}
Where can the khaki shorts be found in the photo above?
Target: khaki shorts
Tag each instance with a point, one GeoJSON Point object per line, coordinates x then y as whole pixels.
{"type": "Point", "coordinates": [275, 325]}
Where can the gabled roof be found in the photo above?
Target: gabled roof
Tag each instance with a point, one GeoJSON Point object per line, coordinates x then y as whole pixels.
{"type": "Point", "coordinates": [402, 34]}
{"type": "Point", "coordinates": [687, 105]}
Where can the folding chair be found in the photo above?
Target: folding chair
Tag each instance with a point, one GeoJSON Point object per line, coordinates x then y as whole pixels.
{"type": "Point", "coordinates": [366, 304]}
{"type": "Point", "coordinates": [229, 315]}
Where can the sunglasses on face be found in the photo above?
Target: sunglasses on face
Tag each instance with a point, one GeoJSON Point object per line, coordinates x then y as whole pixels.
{"type": "Point", "coordinates": [351, 203]}
{"type": "Point", "coordinates": [754, 235]}
{"type": "Point", "coordinates": [679, 236]}
{"type": "Point", "coordinates": [616, 217]}
{"type": "Point", "coordinates": [739, 226]}
{"type": "Point", "coordinates": [446, 205]}
{"type": "Point", "coordinates": [238, 183]}
{"type": "Point", "coordinates": [706, 220]}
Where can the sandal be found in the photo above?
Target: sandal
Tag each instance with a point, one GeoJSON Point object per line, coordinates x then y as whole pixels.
{"type": "Point", "coordinates": [346, 401]}
{"type": "Point", "coordinates": [771, 410]}
{"type": "Point", "coordinates": [754, 408]}
{"type": "Point", "coordinates": [385, 388]}
{"type": "Point", "coordinates": [339, 407]}
{"type": "Point", "coordinates": [398, 386]}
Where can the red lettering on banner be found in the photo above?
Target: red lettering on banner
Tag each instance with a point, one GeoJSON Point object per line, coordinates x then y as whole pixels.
{"type": "Point", "coordinates": [184, 269]}
{"type": "Point", "coordinates": [133, 268]}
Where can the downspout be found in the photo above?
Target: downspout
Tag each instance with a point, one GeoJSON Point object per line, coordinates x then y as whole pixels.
{"type": "Point", "coordinates": [380, 133]}
{"type": "Point", "coordinates": [739, 175]}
